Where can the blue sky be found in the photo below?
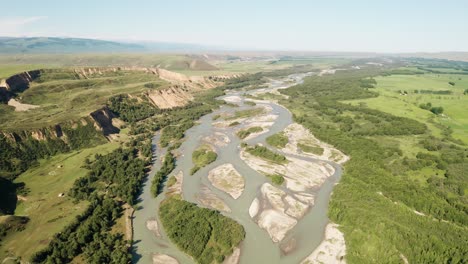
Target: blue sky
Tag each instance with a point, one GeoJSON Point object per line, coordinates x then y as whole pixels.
{"type": "Point", "coordinates": [335, 25]}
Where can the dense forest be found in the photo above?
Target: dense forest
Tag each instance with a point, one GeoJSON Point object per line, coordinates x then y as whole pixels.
{"type": "Point", "coordinates": [375, 199]}
{"type": "Point", "coordinates": [167, 167]}
{"type": "Point", "coordinates": [129, 109]}
{"type": "Point", "coordinates": [205, 234]}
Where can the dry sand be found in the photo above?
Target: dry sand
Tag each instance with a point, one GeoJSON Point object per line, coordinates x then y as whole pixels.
{"type": "Point", "coordinates": [299, 175]}
{"type": "Point", "coordinates": [234, 99]}
{"type": "Point", "coordinates": [164, 259]}
{"type": "Point", "coordinates": [298, 134]}
{"type": "Point", "coordinates": [277, 211]}
{"type": "Point", "coordinates": [331, 250]}
{"type": "Point", "coordinates": [226, 178]}
{"type": "Point", "coordinates": [152, 225]}
{"type": "Point", "coordinates": [218, 139]}
{"type": "Point", "coordinates": [19, 107]}
{"type": "Point", "coordinates": [234, 258]}
{"type": "Point", "coordinates": [207, 198]}
{"type": "Point", "coordinates": [177, 187]}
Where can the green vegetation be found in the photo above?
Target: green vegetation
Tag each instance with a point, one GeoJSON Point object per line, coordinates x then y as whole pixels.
{"type": "Point", "coordinates": [80, 237]}
{"type": "Point", "coordinates": [246, 132]}
{"type": "Point", "coordinates": [112, 179]}
{"type": "Point", "coordinates": [368, 83]}
{"type": "Point", "coordinates": [245, 81]}
{"type": "Point", "coordinates": [173, 62]}
{"type": "Point", "coordinates": [12, 69]}
{"type": "Point", "coordinates": [276, 179]}
{"type": "Point", "coordinates": [278, 140]}
{"type": "Point", "coordinates": [129, 109]}
{"type": "Point", "coordinates": [235, 123]}
{"type": "Point", "coordinates": [267, 154]}
{"type": "Point", "coordinates": [390, 174]}
{"type": "Point", "coordinates": [317, 150]}
{"type": "Point", "coordinates": [119, 173]}
{"type": "Point", "coordinates": [250, 103]}
{"type": "Point", "coordinates": [454, 105]}
{"type": "Point", "coordinates": [437, 110]}
{"type": "Point", "coordinates": [64, 95]}
{"type": "Point", "coordinates": [204, 234]}
{"type": "Point", "coordinates": [41, 185]}
{"type": "Point", "coordinates": [172, 180]}
{"type": "Point", "coordinates": [201, 157]}
{"type": "Point", "coordinates": [247, 113]}
{"type": "Point", "coordinates": [167, 167]}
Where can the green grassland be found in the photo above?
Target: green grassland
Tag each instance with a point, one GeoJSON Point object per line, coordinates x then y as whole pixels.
{"type": "Point", "coordinates": [48, 213]}
{"type": "Point", "coordinates": [455, 105]}
{"type": "Point", "coordinates": [63, 97]}
{"type": "Point", "coordinates": [9, 70]}
{"type": "Point", "coordinates": [166, 61]}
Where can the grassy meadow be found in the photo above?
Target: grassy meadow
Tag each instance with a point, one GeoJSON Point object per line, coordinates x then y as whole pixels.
{"type": "Point", "coordinates": [48, 213]}
{"type": "Point", "coordinates": [455, 104]}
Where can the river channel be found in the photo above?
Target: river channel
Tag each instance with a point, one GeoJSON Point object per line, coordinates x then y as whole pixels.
{"type": "Point", "coordinates": [257, 246]}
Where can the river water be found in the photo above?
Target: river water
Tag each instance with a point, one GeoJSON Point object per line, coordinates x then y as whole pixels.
{"type": "Point", "coordinates": [257, 246]}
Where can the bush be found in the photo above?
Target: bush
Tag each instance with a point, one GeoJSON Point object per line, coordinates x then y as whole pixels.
{"type": "Point", "coordinates": [245, 133]}
{"type": "Point", "coordinates": [278, 140]}
{"type": "Point", "coordinates": [276, 179]}
{"type": "Point", "coordinates": [265, 153]}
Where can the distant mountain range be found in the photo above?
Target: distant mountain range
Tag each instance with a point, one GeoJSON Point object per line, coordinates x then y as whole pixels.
{"type": "Point", "coordinates": [10, 45]}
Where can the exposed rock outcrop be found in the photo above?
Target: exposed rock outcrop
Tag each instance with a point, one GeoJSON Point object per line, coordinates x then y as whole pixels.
{"type": "Point", "coordinates": [16, 84]}
{"type": "Point", "coordinates": [169, 98]}
{"type": "Point", "coordinates": [103, 121]}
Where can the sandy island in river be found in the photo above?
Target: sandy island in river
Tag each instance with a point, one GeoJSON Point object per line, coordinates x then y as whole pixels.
{"type": "Point", "coordinates": [298, 134]}
{"type": "Point", "coordinates": [207, 198]}
{"type": "Point", "coordinates": [176, 188]}
{"type": "Point", "coordinates": [226, 178]}
{"type": "Point", "coordinates": [218, 139]}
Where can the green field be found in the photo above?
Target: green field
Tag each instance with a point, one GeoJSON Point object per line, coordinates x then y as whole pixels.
{"type": "Point", "coordinates": [63, 97]}
{"type": "Point", "coordinates": [455, 105]}
{"type": "Point", "coordinates": [9, 70]}
{"type": "Point", "coordinates": [166, 61]}
{"type": "Point", "coordinates": [48, 213]}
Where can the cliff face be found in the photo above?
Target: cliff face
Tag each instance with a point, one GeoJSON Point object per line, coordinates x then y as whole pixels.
{"type": "Point", "coordinates": [104, 121]}
{"type": "Point", "coordinates": [169, 98]}
{"type": "Point", "coordinates": [16, 84]}
{"type": "Point", "coordinates": [175, 78]}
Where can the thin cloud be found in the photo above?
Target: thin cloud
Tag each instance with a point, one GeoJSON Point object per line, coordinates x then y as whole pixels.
{"type": "Point", "coordinates": [14, 26]}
